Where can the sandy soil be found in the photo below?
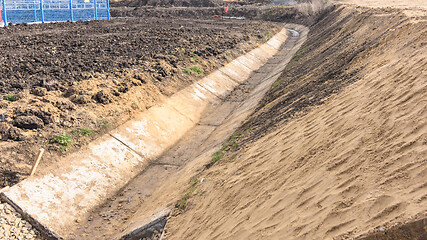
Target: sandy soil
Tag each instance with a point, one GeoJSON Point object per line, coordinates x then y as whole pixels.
{"type": "Point", "coordinates": [84, 78]}
{"type": "Point", "coordinates": [315, 164]}
{"type": "Point", "coordinates": [411, 7]}
{"type": "Point", "coordinates": [387, 3]}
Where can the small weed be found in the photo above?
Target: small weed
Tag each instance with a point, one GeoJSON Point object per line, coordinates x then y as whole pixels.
{"type": "Point", "coordinates": [301, 51]}
{"type": "Point", "coordinates": [194, 58]}
{"type": "Point", "coordinates": [234, 146]}
{"type": "Point", "coordinates": [182, 203]}
{"type": "Point", "coordinates": [227, 53]}
{"type": "Point", "coordinates": [8, 97]}
{"type": "Point", "coordinates": [192, 70]}
{"type": "Point", "coordinates": [217, 156]}
{"type": "Point", "coordinates": [182, 50]}
{"type": "Point", "coordinates": [291, 64]}
{"type": "Point", "coordinates": [104, 123]}
{"type": "Point", "coordinates": [134, 105]}
{"type": "Point", "coordinates": [197, 70]}
{"type": "Point", "coordinates": [266, 36]}
{"type": "Point", "coordinates": [85, 132]}
{"type": "Point", "coordinates": [62, 149]}
{"type": "Point", "coordinates": [63, 139]}
{"type": "Point", "coordinates": [82, 132]}
{"type": "Point", "coordinates": [231, 144]}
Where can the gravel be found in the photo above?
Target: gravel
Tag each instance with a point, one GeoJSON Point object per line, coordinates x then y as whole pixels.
{"type": "Point", "coordinates": [12, 226]}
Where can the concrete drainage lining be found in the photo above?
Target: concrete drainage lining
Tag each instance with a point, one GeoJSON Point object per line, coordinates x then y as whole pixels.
{"type": "Point", "coordinates": [54, 201]}
{"type": "Point", "coordinates": [147, 231]}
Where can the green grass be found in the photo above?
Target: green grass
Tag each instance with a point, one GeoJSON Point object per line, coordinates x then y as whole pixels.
{"type": "Point", "coordinates": [85, 132]}
{"type": "Point", "coordinates": [231, 144]}
{"type": "Point", "coordinates": [182, 203]}
{"type": "Point", "coordinates": [104, 123]}
{"type": "Point", "coordinates": [8, 97]}
{"type": "Point", "coordinates": [266, 37]}
{"type": "Point", "coordinates": [195, 69]}
{"type": "Point", "coordinates": [63, 139]}
{"type": "Point", "coordinates": [82, 132]}
{"type": "Point", "coordinates": [194, 58]}
{"type": "Point", "coordinates": [217, 156]}
{"type": "Point", "coordinates": [134, 105]}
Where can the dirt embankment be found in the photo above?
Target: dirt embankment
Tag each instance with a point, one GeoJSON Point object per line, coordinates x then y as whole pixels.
{"type": "Point", "coordinates": [63, 84]}
{"type": "Point", "coordinates": [336, 149]}
{"type": "Point", "coordinates": [167, 3]}
{"type": "Point", "coordinates": [189, 3]}
{"type": "Point", "coordinates": [303, 13]}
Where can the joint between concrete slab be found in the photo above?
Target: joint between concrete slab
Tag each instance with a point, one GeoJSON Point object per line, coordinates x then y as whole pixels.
{"type": "Point", "coordinates": [244, 64]}
{"type": "Point", "coordinates": [226, 74]}
{"type": "Point", "coordinates": [208, 124]}
{"type": "Point", "coordinates": [174, 108]}
{"type": "Point", "coordinates": [216, 95]}
{"type": "Point", "coordinates": [165, 164]}
{"type": "Point", "coordinates": [133, 150]}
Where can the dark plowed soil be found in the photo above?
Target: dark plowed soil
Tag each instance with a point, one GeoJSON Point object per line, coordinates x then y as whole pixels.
{"type": "Point", "coordinates": [184, 3]}
{"type": "Point", "coordinates": [168, 3]}
{"type": "Point", "coordinates": [84, 78]}
{"type": "Point", "coordinates": [55, 56]}
{"type": "Point", "coordinates": [288, 14]}
{"type": "Point", "coordinates": [409, 231]}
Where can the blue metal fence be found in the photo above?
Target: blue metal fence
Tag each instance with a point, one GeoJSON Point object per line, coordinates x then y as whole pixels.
{"type": "Point", "coordinates": [18, 11]}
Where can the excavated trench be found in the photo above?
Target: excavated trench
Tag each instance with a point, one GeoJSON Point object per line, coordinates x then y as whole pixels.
{"type": "Point", "coordinates": [135, 210]}
{"type": "Point", "coordinates": [199, 117]}
{"type": "Point", "coordinates": [120, 218]}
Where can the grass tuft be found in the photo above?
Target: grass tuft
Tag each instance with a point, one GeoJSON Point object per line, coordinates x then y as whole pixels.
{"type": "Point", "coordinates": [8, 97]}
{"type": "Point", "coordinates": [63, 139]}
{"type": "Point", "coordinates": [195, 69]}
{"type": "Point", "coordinates": [182, 203]}
{"type": "Point", "coordinates": [82, 132]}
{"type": "Point", "coordinates": [104, 123]}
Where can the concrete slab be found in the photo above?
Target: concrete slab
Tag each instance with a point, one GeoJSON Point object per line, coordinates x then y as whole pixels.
{"type": "Point", "coordinates": [57, 199]}
{"type": "Point", "coordinates": [153, 131]}
{"type": "Point", "coordinates": [270, 51]}
{"type": "Point", "coordinates": [218, 83]}
{"type": "Point", "coordinates": [237, 71]}
{"type": "Point", "coordinates": [260, 54]}
{"type": "Point", "coordinates": [191, 101]}
{"type": "Point", "coordinates": [251, 63]}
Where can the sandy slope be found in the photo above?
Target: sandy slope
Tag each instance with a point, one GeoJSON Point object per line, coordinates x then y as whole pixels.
{"type": "Point", "coordinates": [411, 7]}
{"type": "Point", "coordinates": [348, 167]}
{"type": "Point", "coordinates": [387, 3]}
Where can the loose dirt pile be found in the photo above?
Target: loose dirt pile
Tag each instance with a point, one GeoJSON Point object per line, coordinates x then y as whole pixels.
{"type": "Point", "coordinates": [63, 84]}
{"type": "Point", "coordinates": [336, 149]}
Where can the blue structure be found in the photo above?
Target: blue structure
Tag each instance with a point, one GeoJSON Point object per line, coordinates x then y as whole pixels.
{"type": "Point", "coordinates": [19, 11]}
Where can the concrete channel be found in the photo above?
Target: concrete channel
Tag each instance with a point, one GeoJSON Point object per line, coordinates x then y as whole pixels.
{"type": "Point", "coordinates": [129, 155]}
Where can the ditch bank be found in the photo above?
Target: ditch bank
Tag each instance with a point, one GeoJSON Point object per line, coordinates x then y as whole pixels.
{"type": "Point", "coordinates": [337, 147]}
